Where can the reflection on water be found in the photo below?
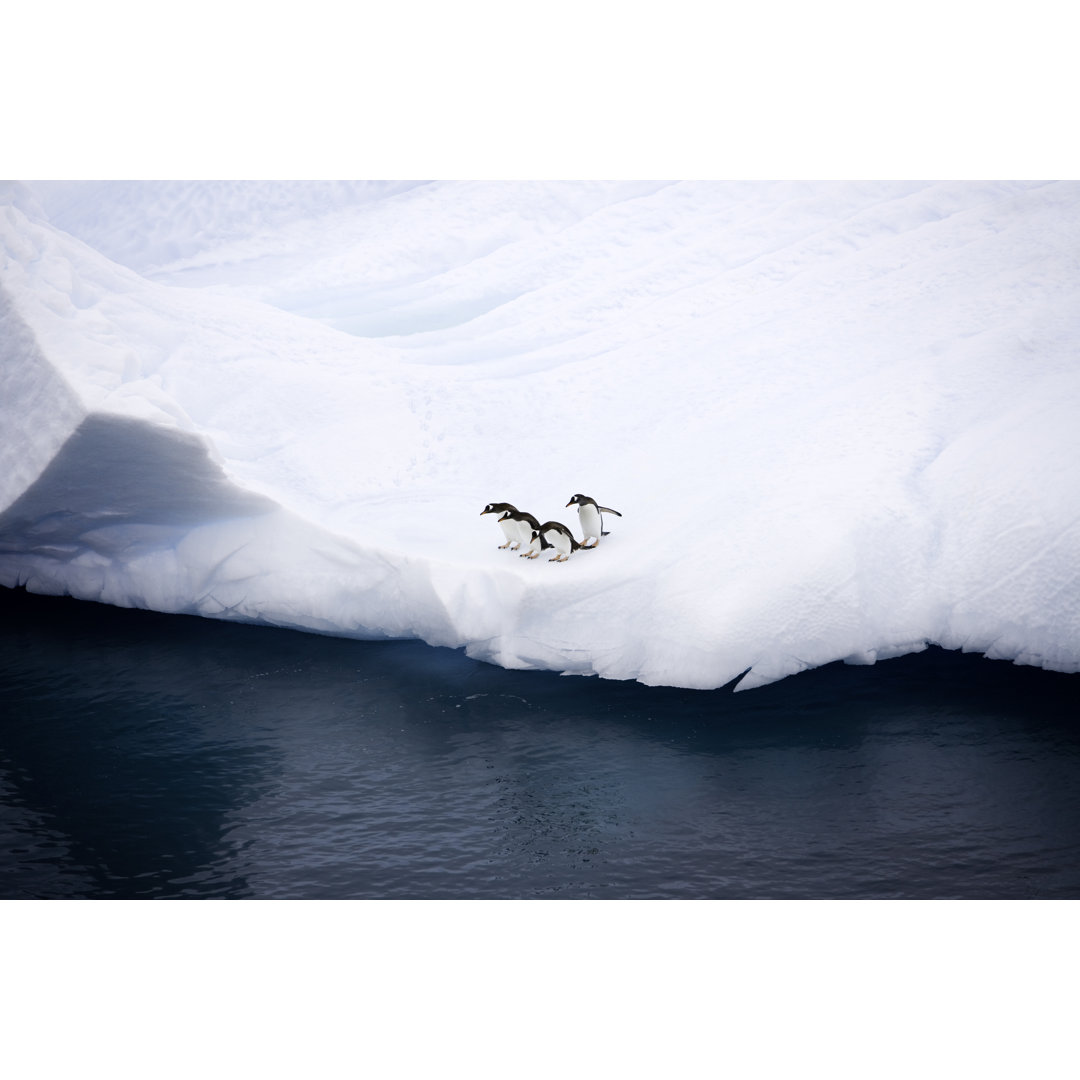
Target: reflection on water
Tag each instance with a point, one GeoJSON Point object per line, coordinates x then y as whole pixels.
{"type": "Point", "coordinates": [144, 755]}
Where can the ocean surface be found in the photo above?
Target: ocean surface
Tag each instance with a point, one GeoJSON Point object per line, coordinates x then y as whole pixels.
{"type": "Point", "coordinates": [149, 756]}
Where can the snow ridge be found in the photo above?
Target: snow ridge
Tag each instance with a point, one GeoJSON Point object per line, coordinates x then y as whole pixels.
{"type": "Point", "coordinates": [838, 419]}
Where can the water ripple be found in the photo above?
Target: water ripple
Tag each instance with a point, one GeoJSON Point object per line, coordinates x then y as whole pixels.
{"type": "Point", "coordinates": [149, 756]}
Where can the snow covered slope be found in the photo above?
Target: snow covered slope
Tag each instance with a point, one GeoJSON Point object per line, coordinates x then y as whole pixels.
{"type": "Point", "coordinates": [840, 420]}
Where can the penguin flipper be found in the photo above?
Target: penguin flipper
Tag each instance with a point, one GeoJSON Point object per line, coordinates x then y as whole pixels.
{"type": "Point", "coordinates": [608, 510]}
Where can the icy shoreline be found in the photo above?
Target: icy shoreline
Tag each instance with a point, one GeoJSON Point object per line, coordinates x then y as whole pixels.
{"type": "Point", "coordinates": [839, 419]}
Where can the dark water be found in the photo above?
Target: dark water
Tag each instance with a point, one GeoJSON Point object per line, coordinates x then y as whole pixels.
{"type": "Point", "coordinates": [147, 756]}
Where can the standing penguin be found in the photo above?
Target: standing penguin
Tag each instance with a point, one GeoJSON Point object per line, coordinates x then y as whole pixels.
{"type": "Point", "coordinates": [554, 534]}
{"type": "Point", "coordinates": [590, 516]}
{"type": "Point", "coordinates": [510, 529]}
{"type": "Point", "coordinates": [525, 524]}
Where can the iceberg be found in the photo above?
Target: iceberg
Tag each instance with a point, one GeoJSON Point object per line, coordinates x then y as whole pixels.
{"type": "Point", "coordinates": [839, 420]}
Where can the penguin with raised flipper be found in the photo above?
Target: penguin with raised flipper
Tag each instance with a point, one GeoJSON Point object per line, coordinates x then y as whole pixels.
{"type": "Point", "coordinates": [510, 529]}
{"type": "Point", "coordinates": [554, 534]}
{"type": "Point", "coordinates": [590, 515]}
{"type": "Point", "coordinates": [525, 524]}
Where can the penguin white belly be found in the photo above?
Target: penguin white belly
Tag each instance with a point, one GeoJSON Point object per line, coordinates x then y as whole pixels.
{"type": "Point", "coordinates": [558, 540]}
{"type": "Point", "coordinates": [510, 531]}
{"type": "Point", "coordinates": [591, 522]}
{"type": "Point", "coordinates": [523, 535]}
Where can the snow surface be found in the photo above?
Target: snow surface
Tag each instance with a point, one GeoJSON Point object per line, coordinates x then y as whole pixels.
{"type": "Point", "coordinates": [840, 419]}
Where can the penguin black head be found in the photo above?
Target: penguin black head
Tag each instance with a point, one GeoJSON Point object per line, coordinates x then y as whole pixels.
{"type": "Point", "coordinates": [581, 500]}
{"type": "Point", "coordinates": [499, 508]}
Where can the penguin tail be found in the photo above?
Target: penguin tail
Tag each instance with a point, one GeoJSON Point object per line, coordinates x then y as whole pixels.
{"type": "Point", "coordinates": [602, 533]}
{"type": "Point", "coordinates": [608, 510]}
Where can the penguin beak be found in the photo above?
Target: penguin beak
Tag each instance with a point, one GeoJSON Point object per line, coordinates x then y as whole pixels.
{"type": "Point", "coordinates": [570, 503]}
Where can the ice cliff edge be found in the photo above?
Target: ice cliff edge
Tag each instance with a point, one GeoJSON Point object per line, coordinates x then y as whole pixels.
{"type": "Point", "coordinates": [839, 420]}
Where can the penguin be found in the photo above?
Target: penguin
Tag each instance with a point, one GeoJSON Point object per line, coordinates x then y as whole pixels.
{"type": "Point", "coordinates": [591, 517]}
{"type": "Point", "coordinates": [535, 545]}
{"type": "Point", "coordinates": [523, 523]}
{"type": "Point", "coordinates": [554, 534]}
{"type": "Point", "coordinates": [510, 530]}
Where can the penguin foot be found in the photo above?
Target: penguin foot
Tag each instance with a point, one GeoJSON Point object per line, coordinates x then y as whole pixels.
{"type": "Point", "coordinates": [504, 546]}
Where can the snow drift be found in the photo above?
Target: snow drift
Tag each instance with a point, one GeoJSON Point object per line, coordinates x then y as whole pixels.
{"type": "Point", "coordinates": [840, 420]}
